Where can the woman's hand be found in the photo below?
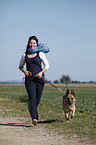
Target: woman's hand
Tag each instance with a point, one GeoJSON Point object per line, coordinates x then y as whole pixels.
{"type": "Point", "coordinates": [28, 73]}
{"type": "Point", "coordinates": [39, 75]}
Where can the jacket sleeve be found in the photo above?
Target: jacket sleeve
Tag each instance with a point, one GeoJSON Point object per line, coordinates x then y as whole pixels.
{"type": "Point", "coordinates": [22, 61]}
{"type": "Point", "coordinates": [44, 60]}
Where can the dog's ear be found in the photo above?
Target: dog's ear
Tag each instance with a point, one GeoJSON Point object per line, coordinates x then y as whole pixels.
{"type": "Point", "coordinates": [72, 92]}
{"type": "Point", "coordinates": [67, 92]}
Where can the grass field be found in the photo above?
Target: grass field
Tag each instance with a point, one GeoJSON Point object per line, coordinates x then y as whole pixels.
{"type": "Point", "coordinates": [14, 100]}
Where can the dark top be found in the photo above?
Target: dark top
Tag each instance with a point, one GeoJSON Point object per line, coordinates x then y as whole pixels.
{"type": "Point", "coordinates": [34, 66]}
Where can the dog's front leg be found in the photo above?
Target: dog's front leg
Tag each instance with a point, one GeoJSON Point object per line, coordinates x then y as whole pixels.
{"type": "Point", "coordinates": [70, 115]}
{"type": "Point", "coordinates": [73, 114]}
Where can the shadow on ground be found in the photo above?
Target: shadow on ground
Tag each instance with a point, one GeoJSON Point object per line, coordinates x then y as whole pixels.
{"type": "Point", "coordinates": [14, 124]}
{"type": "Point", "coordinates": [48, 121]}
{"type": "Point", "coordinates": [39, 122]}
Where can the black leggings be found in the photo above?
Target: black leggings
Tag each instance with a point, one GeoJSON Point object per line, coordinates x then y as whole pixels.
{"type": "Point", "coordinates": [34, 89]}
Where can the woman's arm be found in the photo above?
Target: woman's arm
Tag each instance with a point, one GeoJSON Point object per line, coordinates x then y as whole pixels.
{"type": "Point", "coordinates": [21, 65]}
{"type": "Point", "coordinates": [45, 62]}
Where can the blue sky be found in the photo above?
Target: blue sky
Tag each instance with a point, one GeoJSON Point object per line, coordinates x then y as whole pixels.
{"type": "Point", "coordinates": [67, 27]}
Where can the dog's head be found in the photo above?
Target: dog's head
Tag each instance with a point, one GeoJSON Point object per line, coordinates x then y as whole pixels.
{"type": "Point", "coordinates": [70, 97]}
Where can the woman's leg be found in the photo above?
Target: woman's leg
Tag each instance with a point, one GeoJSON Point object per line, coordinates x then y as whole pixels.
{"type": "Point", "coordinates": [39, 90]}
{"type": "Point", "coordinates": [32, 106]}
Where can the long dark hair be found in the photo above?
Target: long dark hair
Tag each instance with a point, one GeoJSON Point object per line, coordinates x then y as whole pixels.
{"type": "Point", "coordinates": [30, 38]}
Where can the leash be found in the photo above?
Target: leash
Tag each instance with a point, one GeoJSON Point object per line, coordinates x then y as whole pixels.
{"type": "Point", "coordinates": [47, 82]}
{"type": "Point", "coordinates": [52, 84]}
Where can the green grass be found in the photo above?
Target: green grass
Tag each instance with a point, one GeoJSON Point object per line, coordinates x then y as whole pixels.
{"type": "Point", "coordinates": [14, 101]}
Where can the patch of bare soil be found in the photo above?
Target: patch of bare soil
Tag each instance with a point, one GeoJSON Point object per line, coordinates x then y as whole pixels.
{"type": "Point", "coordinates": [13, 131]}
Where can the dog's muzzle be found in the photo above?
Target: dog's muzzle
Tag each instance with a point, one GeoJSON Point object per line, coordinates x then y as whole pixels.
{"type": "Point", "coordinates": [70, 103]}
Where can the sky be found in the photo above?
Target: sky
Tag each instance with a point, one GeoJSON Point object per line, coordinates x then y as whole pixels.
{"type": "Point", "coordinates": [67, 27]}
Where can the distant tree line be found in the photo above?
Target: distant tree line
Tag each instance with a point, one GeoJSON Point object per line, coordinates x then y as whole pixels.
{"type": "Point", "coordinates": [65, 79]}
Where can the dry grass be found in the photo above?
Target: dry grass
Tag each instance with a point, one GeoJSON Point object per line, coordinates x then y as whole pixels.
{"type": "Point", "coordinates": [69, 85]}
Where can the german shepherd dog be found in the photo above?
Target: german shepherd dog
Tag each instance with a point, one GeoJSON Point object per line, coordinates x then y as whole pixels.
{"type": "Point", "coordinates": [69, 104]}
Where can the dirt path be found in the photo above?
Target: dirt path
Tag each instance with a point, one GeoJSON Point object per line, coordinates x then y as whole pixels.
{"type": "Point", "coordinates": [15, 132]}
